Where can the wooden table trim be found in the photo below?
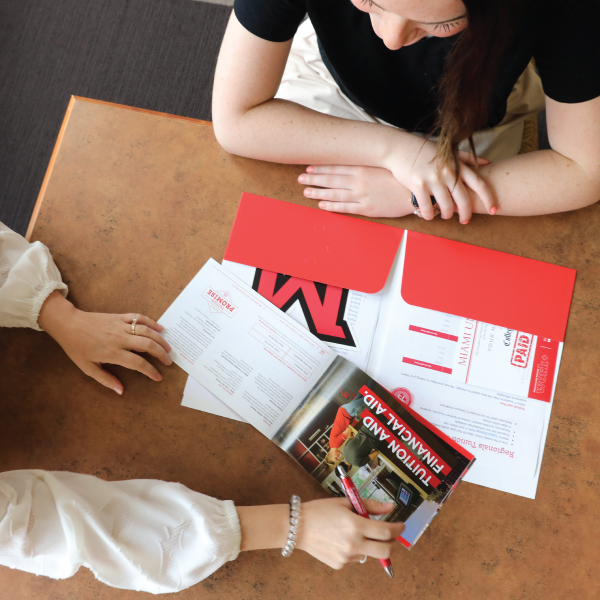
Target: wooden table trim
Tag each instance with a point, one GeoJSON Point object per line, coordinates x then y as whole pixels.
{"type": "Point", "coordinates": [61, 133]}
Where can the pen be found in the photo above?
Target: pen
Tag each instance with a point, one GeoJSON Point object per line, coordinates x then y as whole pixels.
{"type": "Point", "coordinates": [359, 508]}
{"type": "Point", "coordinates": [413, 199]}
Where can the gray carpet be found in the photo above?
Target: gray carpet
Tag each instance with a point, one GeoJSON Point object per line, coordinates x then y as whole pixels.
{"type": "Point", "coordinates": [153, 54]}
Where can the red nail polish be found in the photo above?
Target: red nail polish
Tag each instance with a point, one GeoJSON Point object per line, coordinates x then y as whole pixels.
{"type": "Point", "coordinates": [493, 210]}
{"type": "Point", "coordinates": [465, 223]}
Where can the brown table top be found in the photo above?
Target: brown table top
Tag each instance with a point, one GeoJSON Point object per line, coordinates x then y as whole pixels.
{"type": "Point", "coordinates": [133, 205]}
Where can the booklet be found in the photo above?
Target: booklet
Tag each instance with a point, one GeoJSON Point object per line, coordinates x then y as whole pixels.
{"type": "Point", "coordinates": [314, 404]}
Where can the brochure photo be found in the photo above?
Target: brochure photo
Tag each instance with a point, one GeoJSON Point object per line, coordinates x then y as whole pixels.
{"type": "Point", "coordinates": [392, 454]}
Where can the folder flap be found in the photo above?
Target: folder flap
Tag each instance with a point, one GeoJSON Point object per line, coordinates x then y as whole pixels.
{"type": "Point", "coordinates": [486, 285]}
{"type": "Point", "coordinates": [312, 244]}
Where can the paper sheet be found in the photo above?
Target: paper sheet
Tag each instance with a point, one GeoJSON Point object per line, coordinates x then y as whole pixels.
{"type": "Point", "coordinates": [358, 310]}
{"type": "Point", "coordinates": [344, 319]}
{"type": "Point", "coordinates": [235, 342]}
{"type": "Point", "coordinates": [198, 397]}
{"type": "Point", "coordinates": [504, 431]}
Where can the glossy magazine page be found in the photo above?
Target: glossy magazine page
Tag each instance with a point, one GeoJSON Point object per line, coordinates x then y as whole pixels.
{"type": "Point", "coordinates": [391, 453]}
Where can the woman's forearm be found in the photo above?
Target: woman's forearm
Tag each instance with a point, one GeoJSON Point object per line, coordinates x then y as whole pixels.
{"type": "Point", "coordinates": [538, 183]}
{"type": "Point", "coordinates": [264, 527]}
{"type": "Point", "coordinates": [286, 132]}
{"type": "Point", "coordinates": [249, 121]}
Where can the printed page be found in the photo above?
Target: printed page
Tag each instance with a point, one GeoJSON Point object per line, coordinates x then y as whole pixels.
{"type": "Point", "coordinates": [241, 348]}
{"type": "Point", "coordinates": [418, 355]}
{"type": "Point", "coordinates": [505, 360]}
{"type": "Point", "coordinates": [480, 354]}
{"type": "Point", "coordinates": [344, 319]}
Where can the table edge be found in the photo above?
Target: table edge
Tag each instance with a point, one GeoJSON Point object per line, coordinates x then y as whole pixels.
{"type": "Point", "coordinates": [63, 127]}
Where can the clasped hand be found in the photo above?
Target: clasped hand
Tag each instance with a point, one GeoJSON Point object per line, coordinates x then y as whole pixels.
{"type": "Point", "coordinates": [386, 192]}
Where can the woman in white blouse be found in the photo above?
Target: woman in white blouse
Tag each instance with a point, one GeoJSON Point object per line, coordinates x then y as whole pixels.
{"type": "Point", "coordinates": [143, 535]}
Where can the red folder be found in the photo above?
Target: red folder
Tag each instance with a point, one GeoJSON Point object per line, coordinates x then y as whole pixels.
{"type": "Point", "coordinates": [486, 285]}
{"type": "Point", "coordinates": [312, 244]}
{"type": "Point", "coordinates": [439, 274]}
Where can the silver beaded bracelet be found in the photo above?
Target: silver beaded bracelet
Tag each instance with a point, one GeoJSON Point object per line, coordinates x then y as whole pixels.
{"type": "Point", "coordinates": [294, 522]}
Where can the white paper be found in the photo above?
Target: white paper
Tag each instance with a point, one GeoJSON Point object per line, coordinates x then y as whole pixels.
{"type": "Point", "coordinates": [504, 431]}
{"type": "Point", "coordinates": [360, 313]}
{"type": "Point", "coordinates": [503, 359]}
{"type": "Point", "coordinates": [242, 348]}
{"type": "Point", "coordinates": [197, 396]}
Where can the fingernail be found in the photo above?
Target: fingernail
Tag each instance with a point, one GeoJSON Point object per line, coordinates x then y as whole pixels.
{"type": "Point", "coordinates": [307, 192]}
{"type": "Point", "coordinates": [302, 178]}
{"type": "Point", "coordinates": [493, 210]}
{"type": "Point", "coordinates": [170, 361]}
{"type": "Point", "coordinates": [464, 222]}
{"type": "Point", "coordinates": [309, 169]}
{"type": "Point", "coordinates": [118, 390]}
{"type": "Point", "coordinates": [169, 348]}
{"type": "Point", "coordinates": [159, 378]}
{"type": "Point", "coordinates": [322, 205]}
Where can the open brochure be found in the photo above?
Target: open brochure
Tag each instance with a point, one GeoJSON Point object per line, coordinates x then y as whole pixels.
{"type": "Point", "coordinates": [314, 404]}
{"type": "Point", "coordinates": [488, 387]}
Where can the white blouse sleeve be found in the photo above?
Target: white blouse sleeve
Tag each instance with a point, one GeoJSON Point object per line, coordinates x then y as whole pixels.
{"type": "Point", "coordinates": [143, 535]}
{"type": "Point", "coordinates": [28, 276]}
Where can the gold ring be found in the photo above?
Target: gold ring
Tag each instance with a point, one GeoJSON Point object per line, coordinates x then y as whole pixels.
{"type": "Point", "coordinates": [363, 561]}
{"type": "Point", "coordinates": [133, 323]}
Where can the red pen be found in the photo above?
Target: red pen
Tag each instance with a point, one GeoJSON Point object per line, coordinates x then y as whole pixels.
{"type": "Point", "coordinates": [359, 508]}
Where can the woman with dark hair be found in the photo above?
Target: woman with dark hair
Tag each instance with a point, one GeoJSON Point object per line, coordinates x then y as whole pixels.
{"type": "Point", "coordinates": [453, 78]}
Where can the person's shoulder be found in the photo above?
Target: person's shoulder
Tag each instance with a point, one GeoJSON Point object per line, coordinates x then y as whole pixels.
{"type": "Point", "coordinates": [565, 48]}
{"type": "Point", "coordinates": [556, 23]}
{"type": "Point", "coordinates": [272, 20]}
{"type": "Point", "coordinates": [540, 13]}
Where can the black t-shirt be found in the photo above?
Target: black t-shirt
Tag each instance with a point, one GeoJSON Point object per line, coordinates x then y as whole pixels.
{"type": "Point", "coordinates": [401, 86]}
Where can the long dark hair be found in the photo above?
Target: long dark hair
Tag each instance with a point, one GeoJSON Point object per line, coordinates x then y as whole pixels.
{"type": "Point", "coordinates": [470, 73]}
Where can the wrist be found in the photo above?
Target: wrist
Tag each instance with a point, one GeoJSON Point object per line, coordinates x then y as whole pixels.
{"type": "Point", "coordinates": [264, 527]}
{"type": "Point", "coordinates": [402, 151]}
{"type": "Point", "coordinates": [55, 314]}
